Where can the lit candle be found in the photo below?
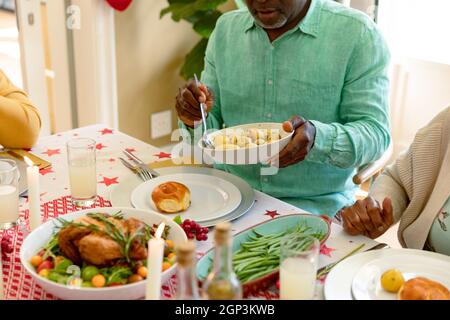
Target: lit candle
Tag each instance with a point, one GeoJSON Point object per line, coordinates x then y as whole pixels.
{"type": "Point", "coordinates": [34, 203]}
{"type": "Point", "coordinates": [154, 264]}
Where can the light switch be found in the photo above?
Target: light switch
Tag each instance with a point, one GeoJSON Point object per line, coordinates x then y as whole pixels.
{"type": "Point", "coordinates": [161, 124]}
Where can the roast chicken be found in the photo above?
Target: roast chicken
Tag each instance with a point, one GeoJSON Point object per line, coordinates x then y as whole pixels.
{"type": "Point", "coordinates": [96, 248]}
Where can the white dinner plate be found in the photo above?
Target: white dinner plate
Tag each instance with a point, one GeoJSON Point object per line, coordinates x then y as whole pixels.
{"type": "Point", "coordinates": [338, 285]}
{"type": "Point", "coordinates": [211, 197]}
{"type": "Point", "coordinates": [367, 282]}
{"type": "Point", "coordinates": [121, 194]}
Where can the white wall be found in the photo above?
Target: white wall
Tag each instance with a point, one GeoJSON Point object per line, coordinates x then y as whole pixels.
{"type": "Point", "coordinates": [418, 35]}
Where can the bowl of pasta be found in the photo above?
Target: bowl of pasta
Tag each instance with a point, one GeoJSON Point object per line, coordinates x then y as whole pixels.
{"type": "Point", "coordinates": [247, 144]}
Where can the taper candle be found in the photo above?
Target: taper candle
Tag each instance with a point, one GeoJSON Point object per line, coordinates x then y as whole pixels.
{"type": "Point", "coordinates": [34, 202]}
{"type": "Point", "coordinates": [154, 264]}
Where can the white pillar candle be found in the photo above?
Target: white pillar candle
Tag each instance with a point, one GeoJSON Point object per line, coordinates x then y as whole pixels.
{"type": "Point", "coordinates": [34, 202]}
{"type": "Point", "coordinates": [154, 265]}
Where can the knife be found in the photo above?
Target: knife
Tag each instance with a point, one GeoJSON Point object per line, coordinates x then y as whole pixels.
{"type": "Point", "coordinates": [141, 163]}
{"type": "Point", "coordinates": [325, 270]}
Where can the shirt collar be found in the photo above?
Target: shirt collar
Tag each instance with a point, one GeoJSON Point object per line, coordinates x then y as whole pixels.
{"type": "Point", "coordinates": [309, 24]}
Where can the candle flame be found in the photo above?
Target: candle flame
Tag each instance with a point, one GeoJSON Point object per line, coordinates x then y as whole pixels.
{"type": "Point", "coordinates": [28, 161]}
{"type": "Point", "coordinates": [160, 230]}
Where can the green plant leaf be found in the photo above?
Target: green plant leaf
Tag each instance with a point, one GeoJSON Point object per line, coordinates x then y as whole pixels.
{"type": "Point", "coordinates": [185, 9]}
{"type": "Point", "coordinates": [178, 220]}
{"type": "Point", "coordinates": [205, 26]}
{"type": "Point", "coordinates": [195, 60]}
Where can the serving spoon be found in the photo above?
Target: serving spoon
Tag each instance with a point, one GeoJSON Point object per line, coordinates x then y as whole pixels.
{"type": "Point", "coordinates": [205, 140]}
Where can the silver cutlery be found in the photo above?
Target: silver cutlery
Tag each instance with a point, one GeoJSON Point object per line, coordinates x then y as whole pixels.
{"type": "Point", "coordinates": [142, 165]}
{"type": "Point", "coordinates": [206, 141]}
{"type": "Point", "coordinates": [326, 270]}
{"type": "Point", "coordinates": [137, 170]}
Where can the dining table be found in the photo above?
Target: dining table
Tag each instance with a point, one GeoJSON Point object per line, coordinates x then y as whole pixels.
{"type": "Point", "coordinates": [56, 202]}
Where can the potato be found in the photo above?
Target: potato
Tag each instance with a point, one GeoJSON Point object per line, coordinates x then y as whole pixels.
{"type": "Point", "coordinates": [227, 147]}
{"type": "Point", "coordinates": [242, 141]}
{"type": "Point", "coordinates": [260, 142]}
{"type": "Point", "coordinates": [220, 140]}
{"type": "Point", "coordinates": [274, 135]}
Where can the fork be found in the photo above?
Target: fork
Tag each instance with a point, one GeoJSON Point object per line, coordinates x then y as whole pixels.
{"type": "Point", "coordinates": [144, 176]}
{"type": "Point", "coordinates": [206, 141]}
{"type": "Point", "coordinates": [141, 164]}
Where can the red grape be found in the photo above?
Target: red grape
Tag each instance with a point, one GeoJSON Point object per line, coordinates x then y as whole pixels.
{"type": "Point", "coordinates": [194, 230]}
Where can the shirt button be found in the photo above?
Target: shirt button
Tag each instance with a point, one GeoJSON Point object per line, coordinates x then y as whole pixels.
{"type": "Point", "coordinates": [270, 82]}
{"type": "Point", "coordinates": [269, 115]}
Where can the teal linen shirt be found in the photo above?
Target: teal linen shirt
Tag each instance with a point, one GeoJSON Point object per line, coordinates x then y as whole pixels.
{"type": "Point", "coordinates": [330, 69]}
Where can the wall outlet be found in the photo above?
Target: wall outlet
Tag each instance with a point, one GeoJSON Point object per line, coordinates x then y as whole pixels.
{"type": "Point", "coordinates": [161, 124]}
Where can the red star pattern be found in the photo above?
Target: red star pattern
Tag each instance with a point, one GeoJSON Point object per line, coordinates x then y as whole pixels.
{"type": "Point", "coordinates": [163, 155]}
{"type": "Point", "coordinates": [130, 150]}
{"type": "Point", "coordinates": [322, 279]}
{"type": "Point", "coordinates": [112, 160]}
{"type": "Point", "coordinates": [106, 131]}
{"type": "Point", "coordinates": [52, 152]}
{"type": "Point", "coordinates": [326, 251]}
{"type": "Point", "coordinates": [46, 171]}
{"type": "Point", "coordinates": [109, 181]}
{"type": "Point", "coordinates": [100, 146]}
{"type": "Point", "coordinates": [272, 214]}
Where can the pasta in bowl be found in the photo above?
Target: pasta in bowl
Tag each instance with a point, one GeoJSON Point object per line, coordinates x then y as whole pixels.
{"type": "Point", "coordinates": [247, 144]}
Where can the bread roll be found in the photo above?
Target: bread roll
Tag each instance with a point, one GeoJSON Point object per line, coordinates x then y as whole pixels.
{"type": "Point", "coordinates": [423, 289]}
{"type": "Point", "coordinates": [171, 197]}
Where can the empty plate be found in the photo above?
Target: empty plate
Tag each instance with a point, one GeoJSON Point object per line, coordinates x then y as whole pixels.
{"type": "Point", "coordinates": [211, 197]}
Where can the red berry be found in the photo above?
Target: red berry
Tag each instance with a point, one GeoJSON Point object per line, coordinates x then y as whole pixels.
{"type": "Point", "coordinates": [187, 227]}
{"type": "Point", "coordinates": [187, 221]}
{"type": "Point", "coordinates": [199, 237]}
{"type": "Point", "coordinates": [205, 230]}
{"type": "Point", "coordinates": [190, 235]}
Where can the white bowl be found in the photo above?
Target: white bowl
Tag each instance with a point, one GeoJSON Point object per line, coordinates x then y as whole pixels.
{"type": "Point", "coordinates": [40, 237]}
{"type": "Point", "coordinates": [253, 155]}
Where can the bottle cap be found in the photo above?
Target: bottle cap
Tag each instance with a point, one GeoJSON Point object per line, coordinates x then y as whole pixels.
{"type": "Point", "coordinates": [222, 233]}
{"type": "Point", "coordinates": [186, 253]}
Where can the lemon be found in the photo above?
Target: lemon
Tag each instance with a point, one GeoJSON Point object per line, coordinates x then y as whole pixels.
{"type": "Point", "coordinates": [392, 280]}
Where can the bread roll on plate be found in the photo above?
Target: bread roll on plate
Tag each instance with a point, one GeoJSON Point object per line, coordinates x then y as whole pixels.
{"type": "Point", "coordinates": [423, 289]}
{"type": "Point", "coordinates": [171, 197]}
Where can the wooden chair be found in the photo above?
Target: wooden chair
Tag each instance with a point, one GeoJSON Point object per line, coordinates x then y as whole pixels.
{"type": "Point", "coordinates": [371, 171]}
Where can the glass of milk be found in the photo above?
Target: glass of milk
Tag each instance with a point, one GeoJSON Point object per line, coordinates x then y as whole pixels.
{"type": "Point", "coordinates": [298, 267]}
{"type": "Point", "coordinates": [9, 194]}
{"type": "Point", "coordinates": [82, 171]}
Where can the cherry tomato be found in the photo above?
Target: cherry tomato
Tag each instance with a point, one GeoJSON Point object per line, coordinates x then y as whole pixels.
{"type": "Point", "coordinates": [45, 265]}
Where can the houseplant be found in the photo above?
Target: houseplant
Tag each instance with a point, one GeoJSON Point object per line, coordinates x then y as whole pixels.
{"type": "Point", "coordinates": [203, 15]}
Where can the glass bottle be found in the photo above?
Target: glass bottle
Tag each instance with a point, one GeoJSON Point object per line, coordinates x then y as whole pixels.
{"type": "Point", "coordinates": [222, 283]}
{"type": "Point", "coordinates": [187, 284]}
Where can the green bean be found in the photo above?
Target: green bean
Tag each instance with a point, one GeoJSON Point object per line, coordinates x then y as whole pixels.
{"type": "Point", "coordinates": [260, 255]}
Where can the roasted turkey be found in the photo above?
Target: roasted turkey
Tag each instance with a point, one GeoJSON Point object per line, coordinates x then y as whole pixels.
{"type": "Point", "coordinates": [96, 247]}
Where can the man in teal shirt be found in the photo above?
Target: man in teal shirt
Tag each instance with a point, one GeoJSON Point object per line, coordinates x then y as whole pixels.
{"type": "Point", "coordinates": [314, 59]}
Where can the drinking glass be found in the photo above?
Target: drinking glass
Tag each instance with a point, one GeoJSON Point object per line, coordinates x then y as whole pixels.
{"type": "Point", "coordinates": [298, 267]}
{"type": "Point", "coordinates": [82, 171]}
{"type": "Point", "coordinates": [9, 194]}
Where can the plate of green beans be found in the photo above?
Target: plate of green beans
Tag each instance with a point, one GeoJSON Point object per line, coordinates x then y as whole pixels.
{"type": "Point", "coordinates": [256, 251]}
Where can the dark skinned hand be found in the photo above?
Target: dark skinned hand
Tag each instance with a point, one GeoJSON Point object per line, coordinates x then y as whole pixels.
{"type": "Point", "coordinates": [301, 143]}
{"type": "Point", "coordinates": [367, 217]}
{"type": "Point", "coordinates": [188, 102]}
